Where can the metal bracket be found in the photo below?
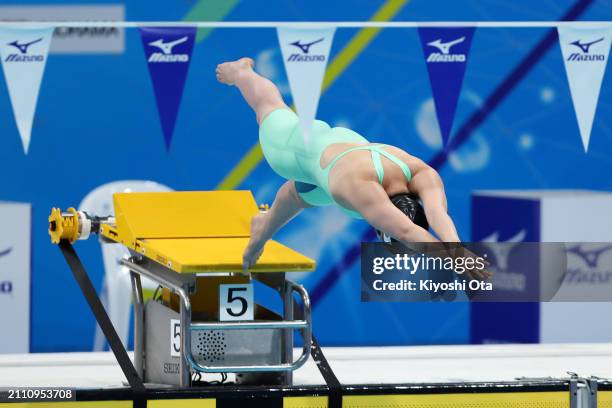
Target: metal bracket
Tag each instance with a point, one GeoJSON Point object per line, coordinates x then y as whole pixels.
{"type": "Point", "coordinates": [583, 392]}
{"type": "Point", "coordinates": [573, 382]}
{"type": "Point", "coordinates": [593, 381]}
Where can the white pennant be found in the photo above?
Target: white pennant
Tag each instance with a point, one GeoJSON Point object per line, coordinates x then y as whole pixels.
{"type": "Point", "coordinates": [24, 54]}
{"type": "Point", "coordinates": [305, 55]}
{"type": "Point", "coordinates": [585, 55]}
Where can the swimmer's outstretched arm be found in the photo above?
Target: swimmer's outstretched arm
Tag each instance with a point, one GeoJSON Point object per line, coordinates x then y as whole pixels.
{"type": "Point", "coordinates": [286, 205]}
{"type": "Point", "coordinates": [428, 185]}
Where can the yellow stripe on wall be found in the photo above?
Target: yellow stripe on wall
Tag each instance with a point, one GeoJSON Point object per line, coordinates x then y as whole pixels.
{"type": "Point", "coordinates": [558, 399]}
{"type": "Point", "coordinates": [604, 399]}
{"type": "Point", "coordinates": [209, 10]}
{"type": "Point", "coordinates": [305, 402]}
{"type": "Point", "coordinates": [345, 57]}
{"type": "Point", "coordinates": [362, 39]}
{"type": "Point", "coordinates": [242, 170]}
{"type": "Point", "coordinates": [182, 403]}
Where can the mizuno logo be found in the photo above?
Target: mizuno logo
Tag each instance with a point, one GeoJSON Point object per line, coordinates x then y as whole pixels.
{"type": "Point", "coordinates": [591, 258]}
{"type": "Point", "coordinates": [503, 277]}
{"type": "Point", "coordinates": [22, 55]}
{"type": "Point", "coordinates": [166, 47]}
{"type": "Point", "coordinates": [591, 270]}
{"type": "Point", "coordinates": [5, 252]}
{"type": "Point", "coordinates": [445, 47]}
{"type": "Point", "coordinates": [306, 47]}
{"type": "Point", "coordinates": [304, 55]}
{"type": "Point", "coordinates": [585, 46]}
{"type": "Point", "coordinates": [445, 51]}
{"type": "Point", "coordinates": [585, 54]}
{"type": "Point", "coordinates": [23, 48]}
{"type": "Point", "coordinates": [502, 252]}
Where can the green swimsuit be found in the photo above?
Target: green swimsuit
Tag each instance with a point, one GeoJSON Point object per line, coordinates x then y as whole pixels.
{"type": "Point", "coordinates": [283, 147]}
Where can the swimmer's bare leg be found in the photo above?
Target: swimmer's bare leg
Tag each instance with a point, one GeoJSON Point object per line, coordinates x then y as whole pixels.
{"type": "Point", "coordinates": [287, 205]}
{"type": "Point", "coordinates": [259, 92]}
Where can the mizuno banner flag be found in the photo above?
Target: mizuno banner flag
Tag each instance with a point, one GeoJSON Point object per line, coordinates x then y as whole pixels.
{"type": "Point", "coordinates": [585, 55]}
{"type": "Point", "coordinates": [446, 52]}
{"type": "Point", "coordinates": [168, 52]}
{"type": "Point", "coordinates": [305, 54]}
{"type": "Point", "coordinates": [24, 54]}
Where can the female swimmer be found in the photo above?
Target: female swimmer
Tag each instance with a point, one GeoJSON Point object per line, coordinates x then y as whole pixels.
{"type": "Point", "coordinates": [379, 183]}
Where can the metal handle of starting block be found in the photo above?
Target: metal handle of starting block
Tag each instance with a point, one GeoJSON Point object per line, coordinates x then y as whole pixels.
{"type": "Point", "coordinates": [295, 324]}
{"type": "Point", "coordinates": [304, 325]}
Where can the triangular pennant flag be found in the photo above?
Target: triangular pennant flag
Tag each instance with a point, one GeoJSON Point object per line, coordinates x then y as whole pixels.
{"type": "Point", "coordinates": [585, 55]}
{"type": "Point", "coordinates": [168, 51]}
{"type": "Point", "coordinates": [305, 54]}
{"type": "Point", "coordinates": [446, 52]}
{"type": "Point", "coordinates": [24, 55]}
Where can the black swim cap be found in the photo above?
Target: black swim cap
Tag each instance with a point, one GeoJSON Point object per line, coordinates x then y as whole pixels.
{"type": "Point", "coordinates": [410, 205]}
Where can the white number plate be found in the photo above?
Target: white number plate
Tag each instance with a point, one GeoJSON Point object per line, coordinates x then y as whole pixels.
{"type": "Point", "coordinates": [175, 338]}
{"type": "Point", "coordinates": [236, 302]}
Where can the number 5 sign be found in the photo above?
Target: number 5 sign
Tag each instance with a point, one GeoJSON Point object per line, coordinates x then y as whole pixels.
{"type": "Point", "coordinates": [175, 338]}
{"type": "Point", "coordinates": [236, 302]}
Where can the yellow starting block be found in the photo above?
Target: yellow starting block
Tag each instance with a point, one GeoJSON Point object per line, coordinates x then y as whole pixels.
{"type": "Point", "coordinates": [191, 243]}
{"type": "Point", "coordinates": [188, 232]}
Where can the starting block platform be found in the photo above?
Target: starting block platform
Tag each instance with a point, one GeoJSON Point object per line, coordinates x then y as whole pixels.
{"type": "Point", "coordinates": [470, 376]}
{"type": "Point", "coordinates": [196, 231]}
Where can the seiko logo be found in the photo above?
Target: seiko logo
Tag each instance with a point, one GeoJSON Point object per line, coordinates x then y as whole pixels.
{"type": "Point", "coordinates": [23, 55]}
{"type": "Point", "coordinates": [584, 54]}
{"type": "Point", "coordinates": [304, 55]}
{"type": "Point", "coordinates": [6, 287]}
{"type": "Point", "coordinates": [444, 55]}
{"type": "Point", "coordinates": [171, 368]}
{"type": "Point", "coordinates": [591, 271]}
{"type": "Point", "coordinates": [166, 54]}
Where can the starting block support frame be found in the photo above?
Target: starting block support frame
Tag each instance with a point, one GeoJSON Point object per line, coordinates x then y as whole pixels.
{"type": "Point", "coordinates": [184, 285]}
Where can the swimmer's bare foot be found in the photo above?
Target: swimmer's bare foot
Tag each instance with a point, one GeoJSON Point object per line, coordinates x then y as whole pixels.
{"type": "Point", "coordinates": [256, 244]}
{"type": "Point", "coordinates": [228, 71]}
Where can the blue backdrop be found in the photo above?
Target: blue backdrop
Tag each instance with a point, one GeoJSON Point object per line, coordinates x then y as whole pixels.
{"type": "Point", "coordinates": [97, 122]}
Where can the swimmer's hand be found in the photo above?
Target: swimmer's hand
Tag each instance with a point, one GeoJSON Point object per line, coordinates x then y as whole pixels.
{"type": "Point", "coordinates": [256, 243]}
{"type": "Point", "coordinates": [476, 273]}
{"type": "Point", "coordinates": [479, 274]}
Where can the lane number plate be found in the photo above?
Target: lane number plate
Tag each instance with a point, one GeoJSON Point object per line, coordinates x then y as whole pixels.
{"type": "Point", "coordinates": [236, 302]}
{"type": "Point", "coordinates": [175, 338]}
